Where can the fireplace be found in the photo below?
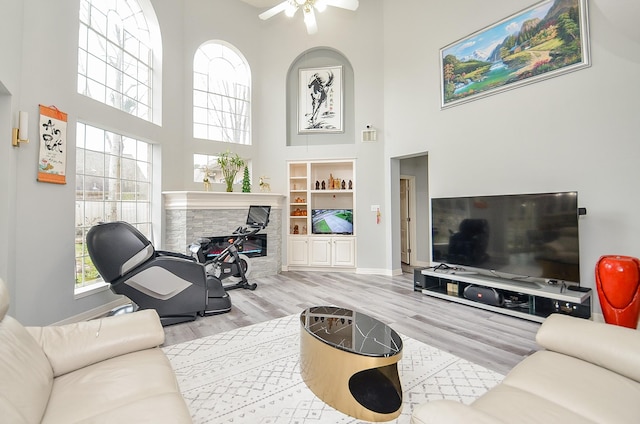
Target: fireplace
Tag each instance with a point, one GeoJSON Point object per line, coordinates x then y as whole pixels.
{"type": "Point", "coordinates": [254, 247]}
{"type": "Point", "coordinates": [190, 215]}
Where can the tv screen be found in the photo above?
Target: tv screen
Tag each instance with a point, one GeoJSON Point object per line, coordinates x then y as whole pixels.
{"type": "Point", "coordinates": [258, 216]}
{"type": "Point", "coordinates": [332, 221]}
{"type": "Point", "coordinates": [527, 235]}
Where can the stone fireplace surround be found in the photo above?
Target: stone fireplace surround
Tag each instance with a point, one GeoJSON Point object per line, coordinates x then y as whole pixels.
{"type": "Point", "coordinates": [193, 214]}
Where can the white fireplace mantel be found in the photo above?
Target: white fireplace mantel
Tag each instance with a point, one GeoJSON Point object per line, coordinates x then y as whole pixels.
{"type": "Point", "coordinates": [180, 200]}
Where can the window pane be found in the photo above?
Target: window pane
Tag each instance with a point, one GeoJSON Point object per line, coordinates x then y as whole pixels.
{"type": "Point", "coordinates": [224, 75]}
{"type": "Point", "coordinates": [109, 186]}
{"type": "Point", "coordinates": [114, 52]}
{"type": "Point", "coordinates": [142, 211]}
{"type": "Point", "coordinates": [143, 192]}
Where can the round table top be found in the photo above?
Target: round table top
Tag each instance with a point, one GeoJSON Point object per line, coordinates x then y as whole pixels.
{"type": "Point", "coordinates": [351, 331]}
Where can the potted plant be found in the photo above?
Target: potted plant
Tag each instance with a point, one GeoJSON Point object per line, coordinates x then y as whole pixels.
{"type": "Point", "coordinates": [230, 164]}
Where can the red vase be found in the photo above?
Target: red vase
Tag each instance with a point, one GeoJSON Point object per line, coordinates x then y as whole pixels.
{"type": "Point", "coordinates": [618, 285]}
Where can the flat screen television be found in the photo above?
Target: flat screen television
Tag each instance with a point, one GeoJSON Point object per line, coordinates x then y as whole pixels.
{"type": "Point", "coordinates": [332, 221]}
{"type": "Point", "coordinates": [521, 235]}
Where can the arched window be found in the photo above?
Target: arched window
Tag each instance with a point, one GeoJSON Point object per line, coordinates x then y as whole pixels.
{"type": "Point", "coordinates": [119, 55]}
{"type": "Point", "coordinates": [221, 94]}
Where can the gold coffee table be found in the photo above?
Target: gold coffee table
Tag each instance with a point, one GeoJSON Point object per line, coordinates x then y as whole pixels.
{"type": "Point", "coordinates": [349, 360]}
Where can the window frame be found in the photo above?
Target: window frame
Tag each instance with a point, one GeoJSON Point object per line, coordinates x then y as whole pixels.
{"type": "Point", "coordinates": [103, 72]}
{"type": "Point", "coordinates": [222, 115]}
{"type": "Point", "coordinates": [93, 176]}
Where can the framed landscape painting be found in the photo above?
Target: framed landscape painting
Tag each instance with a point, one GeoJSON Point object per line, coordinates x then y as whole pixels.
{"type": "Point", "coordinates": [545, 40]}
{"type": "Point", "coordinates": [320, 100]}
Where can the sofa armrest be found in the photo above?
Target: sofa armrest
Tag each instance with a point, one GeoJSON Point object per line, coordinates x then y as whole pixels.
{"type": "Point", "coordinates": [74, 346]}
{"type": "Point", "coordinates": [450, 412]}
{"type": "Point", "coordinates": [609, 346]}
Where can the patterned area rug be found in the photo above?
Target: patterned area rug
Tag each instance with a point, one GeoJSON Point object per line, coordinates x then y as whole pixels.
{"type": "Point", "coordinates": [252, 375]}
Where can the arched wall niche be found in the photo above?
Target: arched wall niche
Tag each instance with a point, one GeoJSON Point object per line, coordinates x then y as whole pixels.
{"type": "Point", "coordinates": [320, 57]}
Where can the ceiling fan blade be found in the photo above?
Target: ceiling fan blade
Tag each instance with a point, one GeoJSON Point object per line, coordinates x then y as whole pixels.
{"type": "Point", "coordinates": [344, 4]}
{"type": "Point", "coordinates": [274, 10]}
{"type": "Point", "coordinates": [310, 22]}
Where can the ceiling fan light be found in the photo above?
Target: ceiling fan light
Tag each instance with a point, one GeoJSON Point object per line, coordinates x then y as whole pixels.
{"type": "Point", "coordinates": [320, 5]}
{"type": "Point", "coordinates": [300, 2]}
{"type": "Point", "coordinates": [290, 10]}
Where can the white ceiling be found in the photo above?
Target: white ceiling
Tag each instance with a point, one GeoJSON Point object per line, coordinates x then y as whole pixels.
{"type": "Point", "coordinates": [262, 3]}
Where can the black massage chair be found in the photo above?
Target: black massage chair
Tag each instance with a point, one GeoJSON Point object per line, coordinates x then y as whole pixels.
{"type": "Point", "coordinates": [175, 285]}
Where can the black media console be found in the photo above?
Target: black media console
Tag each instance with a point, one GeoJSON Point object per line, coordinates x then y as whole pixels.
{"type": "Point", "coordinates": [529, 300]}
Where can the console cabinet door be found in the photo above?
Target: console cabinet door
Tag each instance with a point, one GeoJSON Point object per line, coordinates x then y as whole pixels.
{"type": "Point", "coordinates": [298, 251]}
{"type": "Point", "coordinates": [320, 251]}
{"type": "Point", "coordinates": [343, 251]}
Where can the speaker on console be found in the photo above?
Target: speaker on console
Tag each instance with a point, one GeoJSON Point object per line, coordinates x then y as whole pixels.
{"type": "Point", "coordinates": [486, 295]}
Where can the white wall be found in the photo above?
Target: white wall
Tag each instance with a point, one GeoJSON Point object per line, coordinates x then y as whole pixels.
{"type": "Point", "coordinates": [41, 236]}
{"type": "Point", "coordinates": [38, 252]}
{"type": "Point", "coordinates": [11, 48]}
{"type": "Point", "coordinates": [578, 131]}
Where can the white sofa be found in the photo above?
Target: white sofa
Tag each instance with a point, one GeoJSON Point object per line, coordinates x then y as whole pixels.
{"type": "Point", "coordinates": [587, 373]}
{"type": "Point", "coordinates": [109, 370]}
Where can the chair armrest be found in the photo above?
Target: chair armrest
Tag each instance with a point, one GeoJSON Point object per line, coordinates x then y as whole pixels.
{"type": "Point", "coordinates": [450, 412]}
{"type": "Point", "coordinates": [608, 346]}
{"type": "Point", "coordinates": [74, 346]}
{"type": "Point", "coordinates": [175, 255]}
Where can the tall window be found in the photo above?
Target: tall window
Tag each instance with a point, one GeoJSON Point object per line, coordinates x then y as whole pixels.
{"type": "Point", "coordinates": [115, 55]}
{"type": "Point", "coordinates": [221, 94]}
{"type": "Point", "coordinates": [113, 183]}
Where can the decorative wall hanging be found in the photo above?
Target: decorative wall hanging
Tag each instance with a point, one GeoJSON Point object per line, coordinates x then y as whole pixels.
{"type": "Point", "coordinates": [320, 100]}
{"type": "Point", "coordinates": [548, 39]}
{"type": "Point", "coordinates": [53, 145]}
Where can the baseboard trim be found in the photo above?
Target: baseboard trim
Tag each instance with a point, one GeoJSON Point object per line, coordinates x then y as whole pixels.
{"type": "Point", "coordinates": [379, 271]}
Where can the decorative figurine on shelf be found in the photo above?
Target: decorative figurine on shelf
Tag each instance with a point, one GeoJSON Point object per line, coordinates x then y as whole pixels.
{"type": "Point", "coordinates": [206, 180]}
{"type": "Point", "coordinates": [264, 186]}
{"type": "Point", "coordinates": [317, 185]}
{"type": "Point", "coordinates": [343, 185]}
{"type": "Point", "coordinates": [295, 229]}
{"type": "Point", "coordinates": [350, 185]}
{"type": "Point", "coordinates": [336, 184]}
{"type": "Point", "coordinates": [304, 229]}
{"type": "Point", "coordinates": [330, 181]}
{"type": "Point", "coordinates": [246, 181]}
{"type": "Point", "coordinates": [323, 185]}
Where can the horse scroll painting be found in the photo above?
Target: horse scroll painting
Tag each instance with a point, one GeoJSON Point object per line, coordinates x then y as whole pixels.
{"type": "Point", "coordinates": [320, 100]}
{"type": "Point", "coordinates": [548, 39]}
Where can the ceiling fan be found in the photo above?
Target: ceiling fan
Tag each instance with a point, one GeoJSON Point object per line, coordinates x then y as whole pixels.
{"type": "Point", "coordinates": [290, 7]}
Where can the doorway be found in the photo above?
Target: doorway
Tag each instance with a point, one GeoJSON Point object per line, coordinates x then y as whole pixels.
{"type": "Point", "coordinates": [407, 218]}
{"type": "Point", "coordinates": [410, 235]}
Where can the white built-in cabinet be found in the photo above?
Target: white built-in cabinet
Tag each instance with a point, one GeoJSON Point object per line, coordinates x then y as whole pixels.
{"type": "Point", "coordinates": [320, 185]}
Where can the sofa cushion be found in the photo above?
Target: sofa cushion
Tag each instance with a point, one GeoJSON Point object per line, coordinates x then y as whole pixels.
{"type": "Point", "coordinates": [513, 405]}
{"type": "Point", "coordinates": [561, 388]}
{"type": "Point", "coordinates": [139, 386]}
{"type": "Point", "coordinates": [609, 346]}
{"type": "Point", "coordinates": [27, 377]}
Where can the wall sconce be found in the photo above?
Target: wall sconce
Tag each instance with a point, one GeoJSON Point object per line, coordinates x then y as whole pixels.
{"type": "Point", "coordinates": [20, 134]}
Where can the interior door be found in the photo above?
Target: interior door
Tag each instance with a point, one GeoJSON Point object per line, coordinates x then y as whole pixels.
{"type": "Point", "coordinates": [405, 241]}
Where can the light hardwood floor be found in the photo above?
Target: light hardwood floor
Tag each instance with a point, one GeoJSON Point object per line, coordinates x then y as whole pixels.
{"type": "Point", "coordinates": [495, 341]}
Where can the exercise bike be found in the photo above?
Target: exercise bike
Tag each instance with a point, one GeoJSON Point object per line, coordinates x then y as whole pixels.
{"type": "Point", "coordinates": [231, 264]}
